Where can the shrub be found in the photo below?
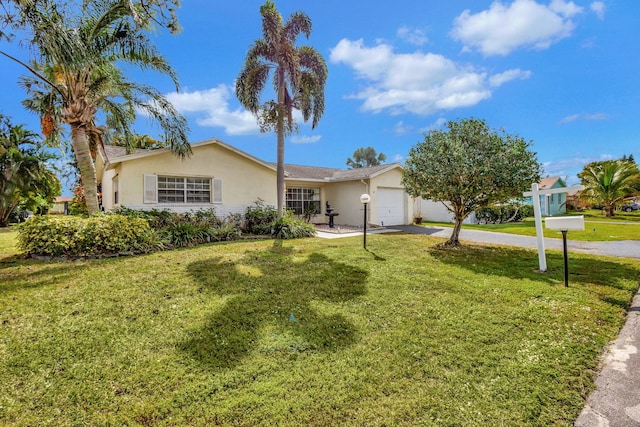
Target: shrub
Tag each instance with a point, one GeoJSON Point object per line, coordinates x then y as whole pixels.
{"type": "Point", "coordinates": [96, 235]}
{"type": "Point", "coordinates": [183, 234]}
{"type": "Point", "coordinates": [226, 232]}
{"type": "Point", "coordinates": [504, 213]}
{"type": "Point", "coordinates": [289, 227]}
{"type": "Point", "coordinates": [260, 218]}
{"type": "Point", "coordinates": [187, 229]}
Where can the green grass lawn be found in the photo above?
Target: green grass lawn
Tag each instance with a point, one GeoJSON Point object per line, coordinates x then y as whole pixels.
{"type": "Point", "coordinates": [598, 228]}
{"type": "Point", "coordinates": [312, 332]}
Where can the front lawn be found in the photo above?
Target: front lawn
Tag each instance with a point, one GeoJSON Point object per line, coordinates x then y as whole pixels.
{"type": "Point", "coordinates": [311, 332]}
{"type": "Point", "coordinates": [598, 228]}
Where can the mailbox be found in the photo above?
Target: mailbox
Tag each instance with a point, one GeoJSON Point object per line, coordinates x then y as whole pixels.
{"type": "Point", "coordinates": [565, 223]}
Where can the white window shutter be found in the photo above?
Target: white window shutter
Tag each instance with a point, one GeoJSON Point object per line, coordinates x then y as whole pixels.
{"type": "Point", "coordinates": [150, 189]}
{"type": "Point", "coordinates": [217, 190]}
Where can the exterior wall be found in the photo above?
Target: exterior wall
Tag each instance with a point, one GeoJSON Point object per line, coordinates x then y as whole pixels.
{"type": "Point", "coordinates": [344, 197]}
{"type": "Point", "coordinates": [315, 219]}
{"type": "Point", "coordinates": [390, 179]}
{"type": "Point", "coordinates": [557, 202]}
{"type": "Point", "coordinates": [243, 181]}
{"type": "Point", "coordinates": [437, 212]}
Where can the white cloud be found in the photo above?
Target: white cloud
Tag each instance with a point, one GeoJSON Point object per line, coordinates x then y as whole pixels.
{"type": "Point", "coordinates": [420, 83]}
{"type": "Point", "coordinates": [398, 158]}
{"type": "Point", "coordinates": [498, 80]}
{"type": "Point", "coordinates": [585, 116]}
{"type": "Point", "coordinates": [598, 8]}
{"type": "Point", "coordinates": [438, 124]}
{"type": "Point", "coordinates": [305, 139]}
{"type": "Point", "coordinates": [413, 36]}
{"type": "Point", "coordinates": [211, 108]}
{"type": "Point", "coordinates": [401, 129]}
{"type": "Point", "coordinates": [524, 23]}
{"type": "Point", "coordinates": [565, 8]}
{"type": "Point", "coordinates": [569, 119]}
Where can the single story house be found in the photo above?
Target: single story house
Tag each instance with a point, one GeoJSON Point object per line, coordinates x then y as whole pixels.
{"type": "Point", "coordinates": [61, 205]}
{"type": "Point", "coordinates": [551, 204]}
{"type": "Point", "coordinates": [218, 175]}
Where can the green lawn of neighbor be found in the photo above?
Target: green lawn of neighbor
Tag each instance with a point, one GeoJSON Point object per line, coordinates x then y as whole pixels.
{"type": "Point", "coordinates": [311, 332]}
{"type": "Point", "coordinates": [598, 228]}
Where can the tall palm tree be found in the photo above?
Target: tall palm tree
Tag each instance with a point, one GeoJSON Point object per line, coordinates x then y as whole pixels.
{"type": "Point", "coordinates": [299, 77]}
{"type": "Point", "coordinates": [609, 182]}
{"type": "Point", "coordinates": [77, 74]}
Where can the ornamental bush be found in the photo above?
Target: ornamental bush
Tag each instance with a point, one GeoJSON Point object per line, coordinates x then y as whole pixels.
{"type": "Point", "coordinates": [504, 213]}
{"type": "Point", "coordinates": [97, 235]}
{"type": "Point", "coordinates": [289, 227]}
{"type": "Point", "coordinates": [259, 218]}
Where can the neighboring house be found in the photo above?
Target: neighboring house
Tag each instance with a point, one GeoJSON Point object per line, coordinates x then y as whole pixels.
{"type": "Point", "coordinates": [551, 204]}
{"type": "Point", "coordinates": [61, 206]}
{"type": "Point", "coordinates": [220, 176]}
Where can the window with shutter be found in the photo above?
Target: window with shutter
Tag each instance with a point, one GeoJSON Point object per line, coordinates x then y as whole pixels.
{"type": "Point", "coordinates": [217, 190]}
{"type": "Point", "coordinates": [150, 189]}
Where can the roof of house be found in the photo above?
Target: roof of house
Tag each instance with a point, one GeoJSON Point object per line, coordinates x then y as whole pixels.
{"type": "Point", "coordinates": [550, 181]}
{"type": "Point", "coordinates": [115, 154]}
{"type": "Point", "coordinates": [62, 199]}
{"type": "Point", "coordinates": [316, 173]}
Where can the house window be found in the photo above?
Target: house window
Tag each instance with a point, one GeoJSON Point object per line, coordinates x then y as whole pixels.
{"type": "Point", "coordinates": [184, 190]}
{"type": "Point", "coordinates": [303, 200]}
{"type": "Point", "coordinates": [115, 191]}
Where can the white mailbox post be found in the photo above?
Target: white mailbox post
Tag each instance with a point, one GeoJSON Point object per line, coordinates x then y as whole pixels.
{"type": "Point", "coordinates": [564, 224]}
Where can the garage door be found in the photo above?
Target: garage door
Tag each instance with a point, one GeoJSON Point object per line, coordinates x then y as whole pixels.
{"type": "Point", "coordinates": [391, 206]}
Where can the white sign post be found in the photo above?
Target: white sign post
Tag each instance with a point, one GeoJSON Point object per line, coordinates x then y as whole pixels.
{"type": "Point", "coordinates": [535, 194]}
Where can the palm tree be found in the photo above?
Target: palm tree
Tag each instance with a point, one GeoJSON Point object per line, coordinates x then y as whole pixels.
{"type": "Point", "coordinates": [300, 74]}
{"type": "Point", "coordinates": [77, 75]}
{"type": "Point", "coordinates": [23, 169]}
{"type": "Point", "coordinates": [609, 182]}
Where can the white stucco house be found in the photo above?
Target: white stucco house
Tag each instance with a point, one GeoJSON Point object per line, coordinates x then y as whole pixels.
{"type": "Point", "coordinates": [218, 175]}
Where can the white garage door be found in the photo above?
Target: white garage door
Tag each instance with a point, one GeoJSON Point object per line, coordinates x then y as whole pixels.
{"type": "Point", "coordinates": [391, 206]}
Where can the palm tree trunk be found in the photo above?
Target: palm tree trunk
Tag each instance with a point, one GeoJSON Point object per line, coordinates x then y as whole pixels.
{"type": "Point", "coordinates": [80, 144]}
{"type": "Point", "coordinates": [280, 160]}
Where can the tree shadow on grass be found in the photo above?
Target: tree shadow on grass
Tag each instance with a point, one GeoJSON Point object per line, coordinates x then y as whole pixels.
{"type": "Point", "coordinates": [517, 263]}
{"type": "Point", "coordinates": [268, 305]}
{"type": "Point", "coordinates": [26, 274]}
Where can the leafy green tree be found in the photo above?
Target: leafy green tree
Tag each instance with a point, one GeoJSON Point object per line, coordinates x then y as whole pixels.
{"type": "Point", "coordinates": [470, 166]}
{"type": "Point", "coordinates": [24, 174]}
{"type": "Point", "coordinates": [299, 77]}
{"type": "Point", "coordinates": [364, 157]}
{"type": "Point", "coordinates": [80, 48]}
{"type": "Point", "coordinates": [609, 182]}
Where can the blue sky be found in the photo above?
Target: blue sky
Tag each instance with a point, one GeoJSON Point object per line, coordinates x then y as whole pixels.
{"type": "Point", "coordinates": [563, 74]}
